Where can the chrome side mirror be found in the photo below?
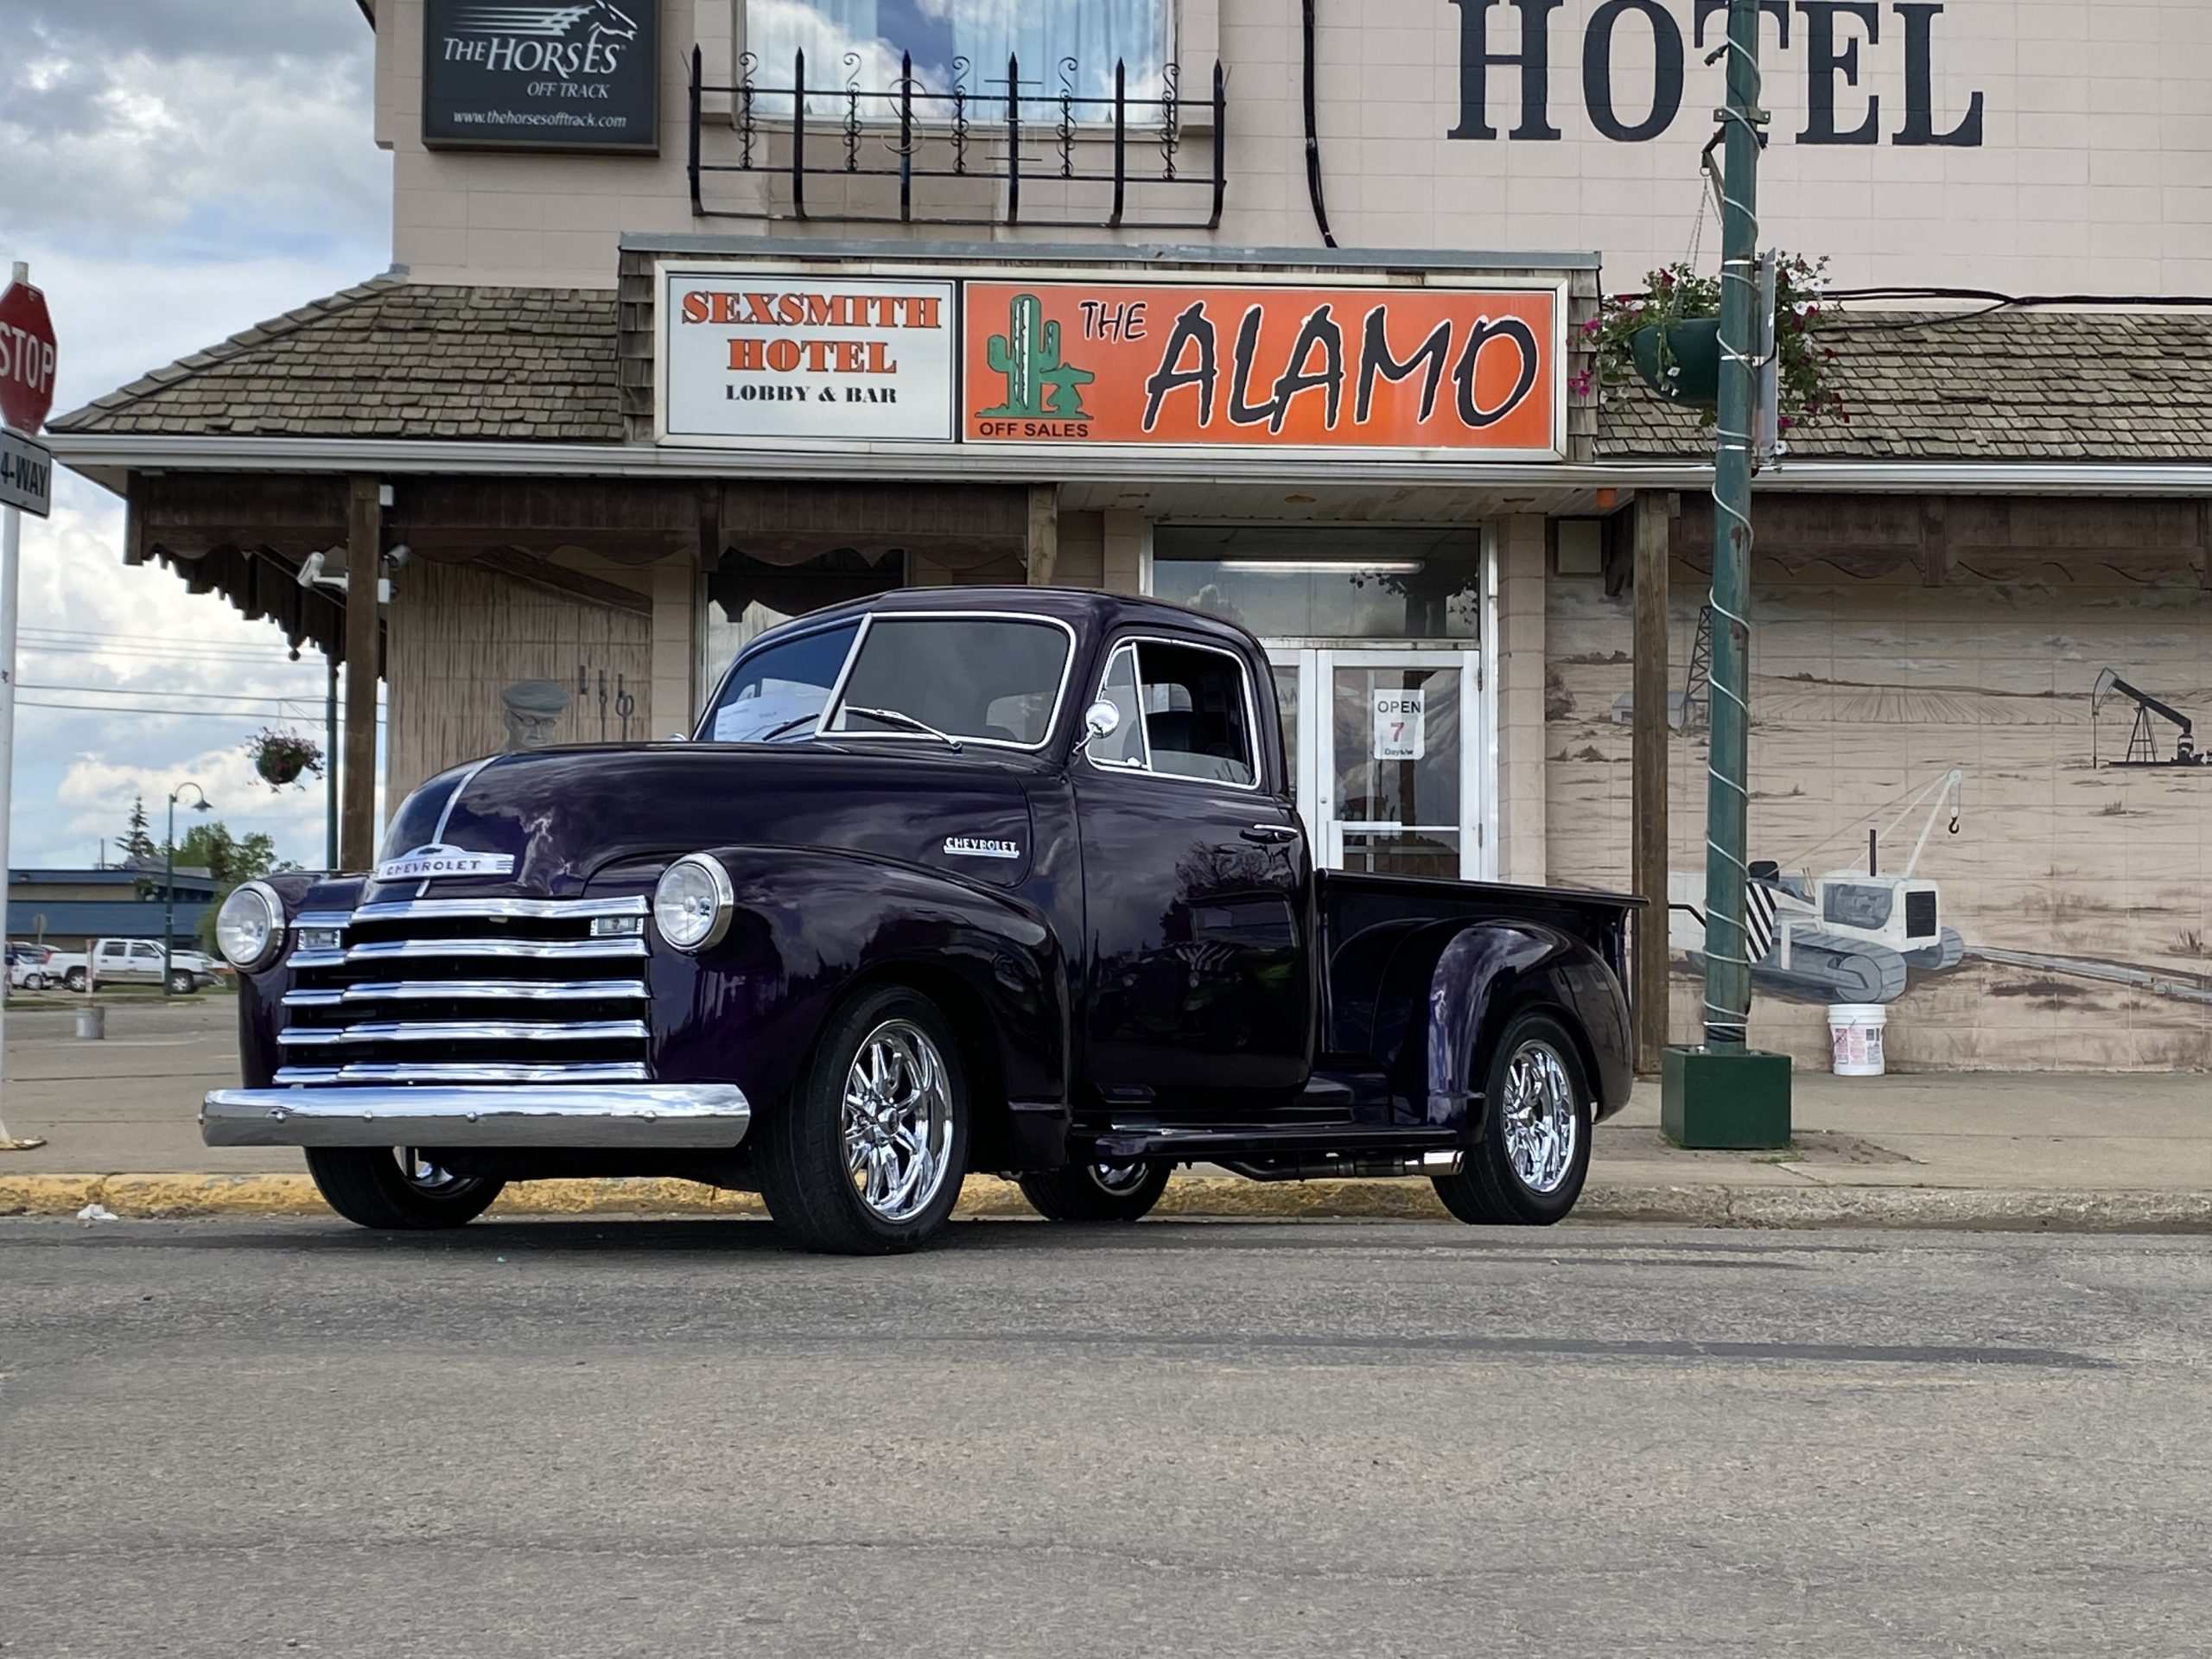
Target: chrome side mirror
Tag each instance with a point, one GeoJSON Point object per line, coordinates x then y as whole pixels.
{"type": "Point", "coordinates": [1101, 720]}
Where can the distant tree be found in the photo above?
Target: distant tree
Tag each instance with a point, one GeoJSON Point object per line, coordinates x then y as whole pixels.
{"type": "Point", "coordinates": [138, 839]}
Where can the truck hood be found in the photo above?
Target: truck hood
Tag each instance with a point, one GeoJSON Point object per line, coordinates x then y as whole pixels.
{"type": "Point", "coordinates": [566, 815]}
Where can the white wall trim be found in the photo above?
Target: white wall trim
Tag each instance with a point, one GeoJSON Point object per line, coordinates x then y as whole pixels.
{"type": "Point", "coordinates": [93, 452]}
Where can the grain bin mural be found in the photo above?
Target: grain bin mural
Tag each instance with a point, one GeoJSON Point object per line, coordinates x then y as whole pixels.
{"type": "Point", "coordinates": [1955, 809]}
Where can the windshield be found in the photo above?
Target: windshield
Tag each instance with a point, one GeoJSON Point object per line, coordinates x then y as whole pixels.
{"type": "Point", "coordinates": [781, 685]}
{"type": "Point", "coordinates": [996, 679]}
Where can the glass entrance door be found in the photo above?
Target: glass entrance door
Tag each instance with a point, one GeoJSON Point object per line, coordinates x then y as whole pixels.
{"type": "Point", "coordinates": [1385, 748]}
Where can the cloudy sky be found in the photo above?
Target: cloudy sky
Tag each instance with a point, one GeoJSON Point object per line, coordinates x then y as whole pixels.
{"type": "Point", "coordinates": [177, 170]}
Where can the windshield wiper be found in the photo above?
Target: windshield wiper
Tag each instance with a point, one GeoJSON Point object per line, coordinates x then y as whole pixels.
{"type": "Point", "coordinates": [896, 718]}
{"type": "Point", "coordinates": [791, 725]}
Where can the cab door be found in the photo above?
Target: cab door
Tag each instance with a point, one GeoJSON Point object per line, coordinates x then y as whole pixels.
{"type": "Point", "coordinates": [1197, 888]}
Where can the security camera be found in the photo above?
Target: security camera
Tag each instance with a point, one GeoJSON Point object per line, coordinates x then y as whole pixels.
{"type": "Point", "coordinates": [310, 569]}
{"type": "Point", "coordinates": [398, 556]}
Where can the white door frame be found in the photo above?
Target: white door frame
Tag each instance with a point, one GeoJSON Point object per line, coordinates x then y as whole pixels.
{"type": "Point", "coordinates": [1312, 765]}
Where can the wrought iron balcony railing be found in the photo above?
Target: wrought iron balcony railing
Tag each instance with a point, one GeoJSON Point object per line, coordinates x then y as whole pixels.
{"type": "Point", "coordinates": [1109, 161]}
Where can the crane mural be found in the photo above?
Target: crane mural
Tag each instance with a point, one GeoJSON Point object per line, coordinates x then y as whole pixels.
{"type": "Point", "coordinates": [1846, 936]}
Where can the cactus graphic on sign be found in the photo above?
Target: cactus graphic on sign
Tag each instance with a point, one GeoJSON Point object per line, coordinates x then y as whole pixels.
{"type": "Point", "coordinates": [1028, 355]}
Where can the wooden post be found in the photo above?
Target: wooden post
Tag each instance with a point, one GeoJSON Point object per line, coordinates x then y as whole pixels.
{"type": "Point", "coordinates": [1043, 533]}
{"type": "Point", "coordinates": [363, 554]}
{"type": "Point", "coordinates": [1648, 776]}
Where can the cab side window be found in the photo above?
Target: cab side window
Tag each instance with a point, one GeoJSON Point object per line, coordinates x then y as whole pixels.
{"type": "Point", "coordinates": [1184, 713]}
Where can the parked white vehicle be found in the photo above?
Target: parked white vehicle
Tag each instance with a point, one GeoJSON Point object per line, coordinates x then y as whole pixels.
{"type": "Point", "coordinates": [28, 970]}
{"type": "Point", "coordinates": [131, 961]}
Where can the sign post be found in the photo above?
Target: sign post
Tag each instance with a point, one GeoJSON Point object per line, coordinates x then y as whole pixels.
{"type": "Point", "coordinates": [27, 362]}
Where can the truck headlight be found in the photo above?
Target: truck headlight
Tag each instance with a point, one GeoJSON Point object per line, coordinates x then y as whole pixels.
{"type": "Point", "coordinates": [249, 927]}
{"type": "Point", "coordinates": [691, 906]}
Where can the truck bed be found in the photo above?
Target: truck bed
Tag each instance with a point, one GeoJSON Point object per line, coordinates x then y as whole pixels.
{"type": "Point", "coordinates": [1367, 921]}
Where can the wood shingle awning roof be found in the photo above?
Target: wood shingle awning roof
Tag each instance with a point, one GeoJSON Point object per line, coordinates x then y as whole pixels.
{"type": "Point", "coordinates": [390, 358]}
{"type": "Point", "coordinates": [1998, 387]}
{"type": "Point", "coordinates": [395, 359]}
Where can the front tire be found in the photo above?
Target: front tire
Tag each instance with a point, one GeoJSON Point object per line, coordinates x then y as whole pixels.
{"type": "Point", "coordinates": [1528, 1168]}
{"type": "Point", "coordinates": [35, 981]}
{"type": "Point", "coordinates": [1095, 1191]}
{"type": "Point", "coordinates": [395, 1189]}
{"type": "Point", "coordinates": [181, 983]}
{"type": "Point", "coordinates": [867, 1155]}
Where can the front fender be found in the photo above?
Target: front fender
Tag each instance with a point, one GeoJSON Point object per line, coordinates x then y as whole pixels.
{"type": "Point", "coordinates": [810, 923]}
{"type": "Point", "coordinates": [1487, 972]}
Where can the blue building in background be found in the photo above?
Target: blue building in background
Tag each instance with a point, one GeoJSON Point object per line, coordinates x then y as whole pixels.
{"type": "Point", "coordinates": [66, 908]}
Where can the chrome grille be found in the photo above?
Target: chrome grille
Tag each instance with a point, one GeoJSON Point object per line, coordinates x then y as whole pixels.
{"type": "Point", "coordinates": [467, 991]}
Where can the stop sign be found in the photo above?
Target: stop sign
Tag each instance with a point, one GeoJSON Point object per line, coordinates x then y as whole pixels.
{"type": "Point", "coordinates": [26, 357]}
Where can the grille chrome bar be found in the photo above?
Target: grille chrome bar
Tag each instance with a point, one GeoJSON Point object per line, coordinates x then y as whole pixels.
{"type": "Point", "coordinates": [424, 950]}
{"type": "Point", "coordinates": [460, 1071]}
{"type": "Point", "coordinates": [465, 1031]}
{"type": "Point", "coordinates": [440, 990]}
{"type": "Point", "coordinates": [550, 910]}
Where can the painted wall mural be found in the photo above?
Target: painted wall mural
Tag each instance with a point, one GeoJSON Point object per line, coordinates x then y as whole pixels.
{"type": "Point", "coordinates": [1979, 804]}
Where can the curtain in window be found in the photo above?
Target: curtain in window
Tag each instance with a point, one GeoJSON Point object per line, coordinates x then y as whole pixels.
{"type": "Point", "coordinates": [1043, 34]}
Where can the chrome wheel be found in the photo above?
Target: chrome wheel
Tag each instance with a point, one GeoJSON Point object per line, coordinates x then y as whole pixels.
{"type": "Point", "coordinates": [898, 1122]}
{"type": "Point", "coordinates": [1541, 1123]}
{"type": "Point", "coordinates": [426, 1177]}
{"type": "Point", "coordinates": [1118, 1178]}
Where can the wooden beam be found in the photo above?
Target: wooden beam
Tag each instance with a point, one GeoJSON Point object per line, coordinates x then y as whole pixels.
{"type": "Point", "coordinates": [529, 568]}
{"type": "Point", "coordinates": [1647, 778]}
{"type": "Point", "coordinates": [1935, 544]}
{"type": "Point", "coordinates": [364, 555]}
{"type": "Point", "coordinates": [1044, 550]}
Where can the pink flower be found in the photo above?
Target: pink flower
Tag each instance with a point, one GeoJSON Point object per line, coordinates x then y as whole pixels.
{"type": "Point", "coordinates": [1579, 384]}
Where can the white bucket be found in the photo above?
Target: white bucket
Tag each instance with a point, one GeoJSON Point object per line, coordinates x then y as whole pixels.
{"type": "Point", "coordinates": [1855, 1035]}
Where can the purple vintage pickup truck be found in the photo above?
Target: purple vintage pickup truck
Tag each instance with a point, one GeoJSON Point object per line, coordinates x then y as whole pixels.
{"type": "Point", "coordinates": [1001, 880]}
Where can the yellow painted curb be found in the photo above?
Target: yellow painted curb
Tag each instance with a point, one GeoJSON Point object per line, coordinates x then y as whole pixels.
{"type": "Point", "coordinates": [984, 1196]}
{"type": "Point", "coordinates": [1197, 1196]}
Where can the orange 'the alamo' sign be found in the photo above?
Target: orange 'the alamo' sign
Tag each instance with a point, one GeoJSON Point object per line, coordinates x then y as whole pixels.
{"type": "Point", "coordinates": [1333, 368]}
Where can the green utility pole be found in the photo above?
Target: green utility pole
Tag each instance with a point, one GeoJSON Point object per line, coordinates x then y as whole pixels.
{"type": "Point", "coordinates": [1722, 1094]}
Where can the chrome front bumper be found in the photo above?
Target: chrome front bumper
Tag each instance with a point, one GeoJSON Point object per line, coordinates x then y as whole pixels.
{"type": "Point", "coordinates": [603, 1114]}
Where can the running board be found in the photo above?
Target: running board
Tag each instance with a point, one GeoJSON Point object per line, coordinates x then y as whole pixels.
{"type": "Point", "coordinates": [1268, 1142]}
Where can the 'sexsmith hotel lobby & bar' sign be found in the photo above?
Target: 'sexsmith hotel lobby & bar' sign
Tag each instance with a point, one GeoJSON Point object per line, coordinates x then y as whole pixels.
{"type": "Point", "coordinates": [752, 356]}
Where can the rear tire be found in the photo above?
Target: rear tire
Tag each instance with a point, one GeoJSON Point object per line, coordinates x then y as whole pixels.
{"type": "Point", "coordinates": [1095, 1191]}
{"type": "Point", "coordinates": [867, 1154]}
{"type": "Point", "coordinates": [35, 981]}
{"type": "Point", "coordinates": [74, 979]}
{"type": "Point", "coordinates": [393, 1189]}
{"type": "Point", "coordinates": [1528, 1168]}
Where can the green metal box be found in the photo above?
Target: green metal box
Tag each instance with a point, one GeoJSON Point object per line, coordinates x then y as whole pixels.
{"type": "Point", "coordinates": [1734, 1101]}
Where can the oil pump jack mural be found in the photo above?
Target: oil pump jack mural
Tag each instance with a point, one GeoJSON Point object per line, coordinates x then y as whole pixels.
{"type": "Point", "coordinates": [1846, 936]}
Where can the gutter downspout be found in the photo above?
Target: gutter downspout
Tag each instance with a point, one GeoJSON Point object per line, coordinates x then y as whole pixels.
{"type": "Point", "coordinates": [1313, 139]}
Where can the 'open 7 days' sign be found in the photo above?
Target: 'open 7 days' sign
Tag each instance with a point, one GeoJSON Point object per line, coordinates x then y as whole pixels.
{"type": "Point", "coordinates": [779, 357]}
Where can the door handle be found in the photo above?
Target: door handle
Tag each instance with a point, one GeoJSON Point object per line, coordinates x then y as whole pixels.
{"type": "Point", "coordinates": [1268, 835]}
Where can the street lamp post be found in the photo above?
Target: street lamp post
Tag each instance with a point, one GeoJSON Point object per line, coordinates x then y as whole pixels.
{"type": "Point", "coordinates": [169, 882]}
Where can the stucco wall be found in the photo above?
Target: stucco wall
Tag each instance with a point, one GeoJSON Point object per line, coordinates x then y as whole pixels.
{"type": "Point", "coordinates": [2087, 171]}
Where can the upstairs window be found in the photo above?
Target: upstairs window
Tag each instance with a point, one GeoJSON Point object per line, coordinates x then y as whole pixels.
{"type": "Point", "coordinates": [1068, 46]}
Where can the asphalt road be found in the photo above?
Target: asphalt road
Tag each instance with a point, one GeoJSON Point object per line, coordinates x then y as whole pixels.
{"type": "Point", "coordinates": [606, 1438]}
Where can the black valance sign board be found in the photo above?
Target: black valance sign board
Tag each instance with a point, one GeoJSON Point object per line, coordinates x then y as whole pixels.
{"type": "Point", "coordinates": [555, 74]}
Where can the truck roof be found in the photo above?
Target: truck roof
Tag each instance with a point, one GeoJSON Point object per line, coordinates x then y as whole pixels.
{"type": "Point", "coordinates": [1087, 610]}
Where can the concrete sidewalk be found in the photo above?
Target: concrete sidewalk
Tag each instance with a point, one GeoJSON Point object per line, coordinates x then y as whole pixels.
{"type": "Point", "coordinates": [2088, 1150]}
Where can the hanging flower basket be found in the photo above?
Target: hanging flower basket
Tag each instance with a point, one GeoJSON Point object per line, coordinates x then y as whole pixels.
{"type": "Point", "coordinates": [1668, 337]}
{"type": "Point", "coordinates": [280, 758]}
{"type": "Point", "coordinates": [1680, 360]}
